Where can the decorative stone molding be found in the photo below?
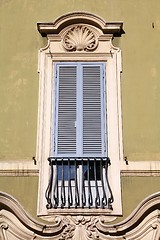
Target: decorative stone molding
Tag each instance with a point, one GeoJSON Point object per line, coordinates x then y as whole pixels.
{"type": "Point", "coordinates": [3, 228]}
{"type": "Point", "coordinates": [69, 230]}
{"type": "Point", "coordinates": [114, 28]}
{"type": "Point", "coordinates": [28, 168]}
{"type": "Point", "coordinates": [12, 213]}
{"type": "Point", "coordinates": [84, 227]}
{"type": "Point", "coordinates": [18, 168]}
{"type": "Point", "coordinates": [140, 168]}
{"type": "Point", "coordinates": [142, 224]}
{"type": "Point", "coordinates": [80, 38]}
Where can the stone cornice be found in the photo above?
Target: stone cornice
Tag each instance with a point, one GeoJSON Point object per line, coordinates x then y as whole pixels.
{"type": "Point", "coordinates": [140, 168]}
{"type": "Point", "coordinates": [114, 28]}
{"type": "Point", "coordinates": [28, 168]}
{"type": "Point", "coordinates": [18, 168]}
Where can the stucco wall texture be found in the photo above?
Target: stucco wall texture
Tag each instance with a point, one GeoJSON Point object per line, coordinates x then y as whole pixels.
{"type": "Point", "coordinates": [140, 85]}
{"type": "Point", "coordinates": [19, 44]}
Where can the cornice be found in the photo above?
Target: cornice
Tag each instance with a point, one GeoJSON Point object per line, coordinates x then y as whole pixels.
{"type": "Point", "coordinates": [28, 168]}
{"type": "Point", "coordinates": [18, 168]}
{"type": "Point", "coordinates": [45, 28]}
{"type": "Point", "coordinates": [140, 168]}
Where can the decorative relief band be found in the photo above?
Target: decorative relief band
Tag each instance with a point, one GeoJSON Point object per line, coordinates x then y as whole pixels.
{"type": "Point", "coordinates": [80, 38]}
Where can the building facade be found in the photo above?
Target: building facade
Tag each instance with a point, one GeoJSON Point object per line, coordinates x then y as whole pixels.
{"type": "Point", "coordinates": [79, 152]}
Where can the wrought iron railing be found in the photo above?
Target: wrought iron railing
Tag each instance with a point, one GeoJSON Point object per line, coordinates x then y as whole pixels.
{"type": "Point", "coordinates": [79, 183]}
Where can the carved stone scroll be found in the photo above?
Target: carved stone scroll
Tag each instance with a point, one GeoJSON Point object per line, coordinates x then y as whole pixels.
{"type": "Point", "coordinates": [3, 228]}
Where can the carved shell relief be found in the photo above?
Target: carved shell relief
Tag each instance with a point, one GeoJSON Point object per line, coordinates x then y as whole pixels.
{"type": "Point", "coordinates": [80, 38]}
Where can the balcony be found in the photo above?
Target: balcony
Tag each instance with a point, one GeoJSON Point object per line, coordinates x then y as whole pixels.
{"type": "Point", "coordinates": [80, 182]}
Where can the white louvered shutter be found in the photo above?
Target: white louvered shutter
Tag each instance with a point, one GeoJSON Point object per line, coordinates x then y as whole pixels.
{"type": "Point", "coordinates": [92, 110]}
{"type": "Point", "coordinates": [66, 110]}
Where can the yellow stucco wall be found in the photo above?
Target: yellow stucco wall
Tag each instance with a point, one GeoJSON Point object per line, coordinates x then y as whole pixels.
{"type": "Point", "coordinates": [19, 44]}
{"type": "Point", "coordinates": [140, 46]}
{"type": "Point", "coordinates": [23, 189]}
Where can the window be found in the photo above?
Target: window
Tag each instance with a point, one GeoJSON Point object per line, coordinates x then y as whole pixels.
{"type": "Point", "coordinates": [79, 141]}
{"type": "Point", "coordinates": [79, 126]}
{"type": "Point", "coordinates": [80, 110]}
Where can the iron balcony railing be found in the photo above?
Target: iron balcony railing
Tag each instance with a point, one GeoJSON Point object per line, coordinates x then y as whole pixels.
{"type": "Point", "coordinates": [79, 183]}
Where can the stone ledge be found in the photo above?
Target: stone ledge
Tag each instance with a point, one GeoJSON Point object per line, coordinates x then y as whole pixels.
{"type": "Point", "coordinates": [18, 168]}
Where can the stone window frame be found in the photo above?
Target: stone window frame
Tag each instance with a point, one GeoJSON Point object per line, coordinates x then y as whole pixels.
{"type": "Point", "coordinates": [60, 49]}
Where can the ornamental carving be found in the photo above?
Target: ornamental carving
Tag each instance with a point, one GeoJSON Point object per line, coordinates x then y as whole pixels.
{"type": "Point", "coordinates": [142, 224]}
{"type": "Point", "coordinates": [79, 228]}
{"type": "Point", "coordinates": [3, 229]}
{"type": "Point", "coordinates": [80, 38]}
{"type": "Point", "coordinates": [69, 229]}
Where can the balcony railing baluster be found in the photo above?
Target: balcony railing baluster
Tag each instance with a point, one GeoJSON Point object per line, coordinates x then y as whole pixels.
{"type": "Point", "coordinates": [111, 198]}
{"type": "Point", "coordinates": [90, 199]}
{"type": "Point", "coordinates": [77, 201]}
{"type": "Point", "coordinates": [55, 187]}
{"type": "Point", "coordinates": [83, 185]}
{"type": "Point", "coordinates": [104, 197]}
{"type": "Point", "coordinates": [70, 198]}
{"type": "Point", "coordinates": [63, 196]}
{"type": "Point", "coordinates": [97, 198]}
{"type": "Point", "coordinates": [49, 188]}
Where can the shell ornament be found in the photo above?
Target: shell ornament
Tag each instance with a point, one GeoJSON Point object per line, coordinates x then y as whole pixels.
{"type": "Point", "coordinates": [80, 38]}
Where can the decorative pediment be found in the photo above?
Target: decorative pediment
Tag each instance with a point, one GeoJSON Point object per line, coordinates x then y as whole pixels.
{"type": "Point", "coordinates": [80, 32]}
{"type": "Point", "coordinates": [142, 224]}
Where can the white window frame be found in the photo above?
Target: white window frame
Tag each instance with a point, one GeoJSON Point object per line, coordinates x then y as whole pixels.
{"type": "Point", "coordinates": [103, 51]}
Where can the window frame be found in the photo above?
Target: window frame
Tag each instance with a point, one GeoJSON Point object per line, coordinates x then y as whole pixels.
{"type": "Point", "coordinates": [55, 52]}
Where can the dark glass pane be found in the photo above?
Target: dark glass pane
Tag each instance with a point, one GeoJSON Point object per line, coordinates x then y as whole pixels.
{"type": "Point", "coordinates": [91, 170]}
{"type": "Point", "coordinates": [66, 172]}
